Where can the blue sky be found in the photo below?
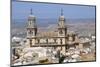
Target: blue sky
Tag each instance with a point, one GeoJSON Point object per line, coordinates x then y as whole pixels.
{"type": "Point", "coordinates": [21, 10]}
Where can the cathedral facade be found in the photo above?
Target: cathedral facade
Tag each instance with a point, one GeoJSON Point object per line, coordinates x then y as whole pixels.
{"type": "Point", "coordinates": [61, 40]}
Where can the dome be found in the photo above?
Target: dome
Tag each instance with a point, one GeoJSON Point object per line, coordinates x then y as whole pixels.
{"type": "Point", "coordinates": [61, 18]}
{"type": "Point", "coordinates": [32, 16]}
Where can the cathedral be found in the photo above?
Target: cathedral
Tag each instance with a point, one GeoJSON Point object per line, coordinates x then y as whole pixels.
{"type": "Point", "coordinates": [57, 46]}
{"type": "Point", "coordinates": [60, 40]}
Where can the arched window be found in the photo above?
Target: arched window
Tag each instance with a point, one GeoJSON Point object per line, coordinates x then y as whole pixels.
{"type": "Point", "coordinates": [31, 42]}
{"type": "Point", "coordinates": [60, 32]}
{"type": "Point", "coordinates": [30, 32]}
{"type": "Point", "coordinates": [38, 40]}
{"type": "Point", "coordinates": [46, 40]}
{"type": "Point", "coordinates": [55, 40]}
{"type": "Point", "coordinates": [60, 41]}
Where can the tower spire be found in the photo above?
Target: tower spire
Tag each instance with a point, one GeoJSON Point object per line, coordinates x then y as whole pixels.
{"type": "Point", "coordinates": [31, 11]}
{"type": "Point", "coordinates": [61, 12]}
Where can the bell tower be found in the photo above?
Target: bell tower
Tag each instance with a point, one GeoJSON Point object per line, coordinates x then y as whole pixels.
{"type": "Point", "coordinates": [31, 29]}
{"type": "Point", "coordinates": [62, 29]}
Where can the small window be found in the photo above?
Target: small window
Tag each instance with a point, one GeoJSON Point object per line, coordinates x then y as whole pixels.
{"type": "Point", "coordinates": [60, 41]}
{"type": "Point", "coordinates": [30, 32]}
{"type": "Point", "coordinates": [61, 32]}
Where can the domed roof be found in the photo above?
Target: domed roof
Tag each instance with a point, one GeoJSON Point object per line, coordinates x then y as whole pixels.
{"type": "Point", "coordinates": [32, 16]}
{"type": "Point", "coordinates": [62, 16]}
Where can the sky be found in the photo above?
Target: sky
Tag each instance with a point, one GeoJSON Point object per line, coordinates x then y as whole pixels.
{"type": "Point", "coordinates": [21, 10]}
